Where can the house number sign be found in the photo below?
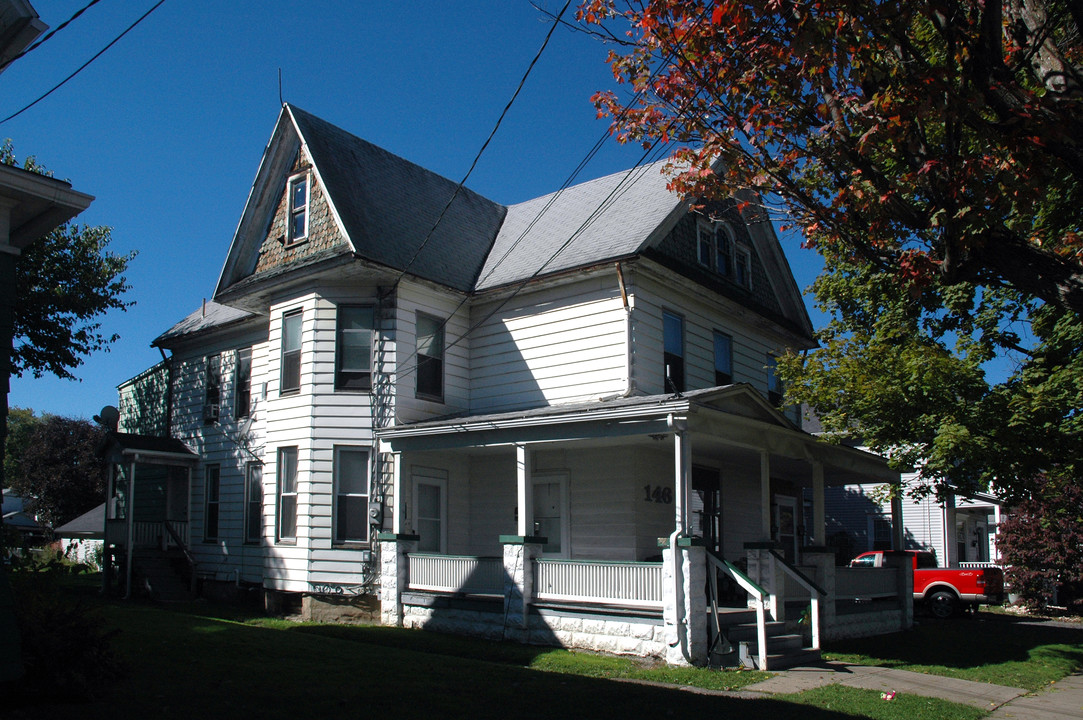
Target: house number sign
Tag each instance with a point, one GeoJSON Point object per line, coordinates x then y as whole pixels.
{"type": "Point", "coordinates": [658, 494]}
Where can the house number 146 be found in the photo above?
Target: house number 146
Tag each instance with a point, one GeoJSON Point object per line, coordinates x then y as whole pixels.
{"type": "Point", "coordinates": [658, 494]}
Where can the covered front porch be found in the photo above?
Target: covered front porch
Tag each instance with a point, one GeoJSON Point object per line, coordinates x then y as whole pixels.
{"type": "Point", "coordinates": [627, 526]}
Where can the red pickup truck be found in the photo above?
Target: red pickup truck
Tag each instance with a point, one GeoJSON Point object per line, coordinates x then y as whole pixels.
{"type": "Point", "coordinates": [945, 590]}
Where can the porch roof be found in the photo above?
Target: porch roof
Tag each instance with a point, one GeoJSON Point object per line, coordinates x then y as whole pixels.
{"type": "Point", "coordinates": [119, 446]}
{"type": "Point", "coordinates": [732, 415]}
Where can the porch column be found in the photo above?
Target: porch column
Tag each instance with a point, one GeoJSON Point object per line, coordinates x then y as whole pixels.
{"type": "Point", "coordinates": [950, 558]}
{"type": "Point", "coordinates": [129, 510]}
{"type": "Point", "coordinates": [898, 539]}
{"type": "Point", "coordinates": [398, 507]}
{"type": "Point", "coordinates": [819, 534]}
{"type": "Point", "coordinates": [519, 554]}
{"type": "Point", "coordinates": [394, 574]}
{"type": "Point", "coordinates": [684, 604]}
{"type": "Point", "coordinates": [765, 494]}
{"type": "Point", "coordinates": [524, 492]}
{"type": "Point", "coordinates": [682, 474]}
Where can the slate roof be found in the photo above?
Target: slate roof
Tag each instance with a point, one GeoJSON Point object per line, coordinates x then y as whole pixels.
{"type": "Point", "coordinates": [213, 315]}
{"type": "Point", "coordinates": [388, 205]}
{"type": "Point", "coordinates": [609, 218]}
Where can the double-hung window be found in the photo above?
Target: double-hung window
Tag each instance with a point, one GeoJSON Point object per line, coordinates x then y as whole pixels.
{"type": "Point", "coordinates": [212, 487]}
{"type": "Point", "coordinates": [742, 267]}
{"type": "Point", "coordinates": [253, 502]}
{"type": "Point", "coordinates": [287, 494]}
{"type": "Point", "coordinates": [298, 208]}
{"type": "Point", "coordinates": [353, 351]}
{"type": "Point", "coordinates": [430, 357]}
{"type": "Point", "coordinates": [723, 359]}
{"type": "Point", "coordinates": [351, 494]}
{"type": "Point", "coordinates": [242, 384]}
{"type": "Point", "coordinates": [774, 382]}
{"type": "Point", "coordinates": [673, 352]}
{"type": "Point", "coordinates": [290, 371]}
{"type": "Point", "coordinates": [724, 243]}
{"type": "Point", "coordinates": [705, 243]}
{"type": "Point", "coordinates": [212, 393]}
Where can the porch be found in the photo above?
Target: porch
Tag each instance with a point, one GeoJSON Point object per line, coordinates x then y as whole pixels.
{"type": "Point", "coordinates": [629, 527]}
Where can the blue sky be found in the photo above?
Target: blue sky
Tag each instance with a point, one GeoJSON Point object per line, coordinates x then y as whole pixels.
{"type": "Point", "coordinates": [167, 128]}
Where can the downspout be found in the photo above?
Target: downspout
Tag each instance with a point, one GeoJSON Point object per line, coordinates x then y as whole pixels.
{"type": "Point", "coordinates": [629, 382]}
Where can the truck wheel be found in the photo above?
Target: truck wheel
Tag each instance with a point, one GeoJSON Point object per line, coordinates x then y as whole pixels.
{"type": "Point", "coordinates": [942, 604]}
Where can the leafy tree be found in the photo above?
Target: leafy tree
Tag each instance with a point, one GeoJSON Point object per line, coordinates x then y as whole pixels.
{"type": "Point", "coordinates": [65, 282]}
{"type": "Point", "coordinates": [931, 151]}
{"type": "Point", "coordinates": [21, 423]}
{"type": "Point", "coordinates": [61, 476]}
{"type": "Point", "coordinates": [1041, 541]}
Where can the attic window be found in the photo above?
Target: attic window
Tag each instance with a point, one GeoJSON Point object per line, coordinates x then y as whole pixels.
{"type": "Point", "coordinates": [298, 208]}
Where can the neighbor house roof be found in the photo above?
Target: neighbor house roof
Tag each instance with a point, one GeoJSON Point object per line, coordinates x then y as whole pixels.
{"type": "Point", "coordinates": [90, 524]}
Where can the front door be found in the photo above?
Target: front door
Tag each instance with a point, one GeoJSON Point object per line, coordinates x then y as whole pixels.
{"type": "Point", "coordinates": [786, 525]}
{"type": "Point", "coordinates": [707, 506]}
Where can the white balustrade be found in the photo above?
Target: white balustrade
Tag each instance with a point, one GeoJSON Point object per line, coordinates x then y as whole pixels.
{"type": "Point", "coordinates": [851, 583]}
{"type": "Point", "coordinates": [456, 573]}
{"type": "Point", "coordinates": [614, 583]}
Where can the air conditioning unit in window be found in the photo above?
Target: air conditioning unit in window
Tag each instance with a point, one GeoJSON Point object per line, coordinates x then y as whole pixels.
{"type": "Point", "coordinates": [210, 413]}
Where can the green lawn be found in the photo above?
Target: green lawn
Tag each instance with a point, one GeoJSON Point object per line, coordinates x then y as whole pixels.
{"type": "Point", "coordinates": [211, 662]}
{"type": "Point", "coordinates": [989, 647]}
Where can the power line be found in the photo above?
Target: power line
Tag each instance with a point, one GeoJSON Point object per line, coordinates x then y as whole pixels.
{"type": "Point", "coordinates": [81, 67]}
{"type": "Point", "coordinates": [52, 32]}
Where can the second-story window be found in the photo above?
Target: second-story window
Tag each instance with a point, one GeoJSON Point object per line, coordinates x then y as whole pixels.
{"type": "Point", "coordinates": [298, 208]}
{"type": "Point", "coordinates": [430, 357]}
{"type": "Point", "coordinates": [723, 359]}
{"type": "Point", "coordinates": [353, 350]}
{"type": "Point", "coordinates": [253, 502]}
{"type": "Point", "coordinates": [673, 354]}
{"type": "Point", "coordinates": [774, 383]}
{"type": "Point", "coordinates": [212, 393]}
{"type": "Point", "coordinates": [290, 373]}
{"type": "Point", "coordinates": [242, 384]}
{"type": "Point", "coordinates": [742, 267]}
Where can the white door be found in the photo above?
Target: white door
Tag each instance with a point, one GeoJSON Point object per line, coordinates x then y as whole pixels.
{"type": "Point", "coordinates": [551, 513]}
{"type": "Point", "coordinates": [430, 509]}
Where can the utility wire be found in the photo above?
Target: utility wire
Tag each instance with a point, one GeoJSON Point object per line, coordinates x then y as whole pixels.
{"type": "Point", "coordinates": [81, 67]}
{"type": "Point", "coordinates": [52, 32]}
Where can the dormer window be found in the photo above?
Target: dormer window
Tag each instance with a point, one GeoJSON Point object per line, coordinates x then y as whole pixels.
{"type": "Point", "coordinates": [715, 247]}
{"type": "Point", "coordinates": [298, 208]}
{"type": "Point", "coordinates": [742, 267]}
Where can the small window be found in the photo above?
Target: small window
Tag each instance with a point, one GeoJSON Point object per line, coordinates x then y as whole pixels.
{"type": "Point", "coordinates": [290, 375]}
{"type": "Point", "coordinates": [673, 354]}
{"type": "Point", "coordinates": [723, 359]}
{"type": "Point", "coordinates": [242, 384]}
{"type": "Point", "coordinates": [353, 352]}
{"type": "Point", "coordinates": [775, 390]}
{"type": "Point", "coordinates": [212, 396]}
{"type": "Point", "coordinates": [351, 495]}
{"type": "Point", "coordinates": [211, 494]}
{"type": "Point", "coordinates": [253, 502]}
{"type": "Point", "coordinates": [742, 270]}
{"type": "Point", "coordinates": [724, 242]}
{"type": "Point", "coordinates": [705, 244]}
{"type": "Point", "coordinates": [430, 357]}
{"type": "Point", "coordinates": [298, 206]}
{"type": "Point", "coordinates": [287, 494]}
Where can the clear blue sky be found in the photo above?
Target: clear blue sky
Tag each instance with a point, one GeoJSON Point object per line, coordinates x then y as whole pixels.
{"type": "Point", "coordinates": [167, 128]}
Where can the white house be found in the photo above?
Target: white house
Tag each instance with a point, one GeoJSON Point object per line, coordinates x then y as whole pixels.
{"type": "Point", "coordinates": [552, 421]}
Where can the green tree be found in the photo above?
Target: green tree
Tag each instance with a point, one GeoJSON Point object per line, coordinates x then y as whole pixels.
{"type": "Point", "coordinates": [65, 282]}
{"type": "Point", "coordinates": [61, 475]}
{"type": "Point", "coordinates": [21, 424]}
{"type": "Point", "coordinates": [932, 151]}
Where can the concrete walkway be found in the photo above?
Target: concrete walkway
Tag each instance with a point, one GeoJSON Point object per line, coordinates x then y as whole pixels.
{"type": "Point", "coordinates": [1062, 700]}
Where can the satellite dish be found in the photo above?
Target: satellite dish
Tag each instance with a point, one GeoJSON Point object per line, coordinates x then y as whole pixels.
{"type": "Point", "coordinates": [109, 417]}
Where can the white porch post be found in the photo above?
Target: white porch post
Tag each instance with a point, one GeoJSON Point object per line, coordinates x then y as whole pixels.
{"type": "Point", "coordinates": [524, 492]}
{"type": "Point", "coordinates": [129, 510]}
{"type": "Point", "coordinates": [395, 547]}
{"type": "Point", "coordinates": [765, 494]}
{"type": "Point", "coordinates": [898, 539]}
{"type": "Point", "coordinates": [398, 521]}
{"type": "Point", "coordinates": [950, 553]}
{"type": "Point", "coordinates": [819, 534]}
{"type": "Point", "coordinates": [684, 567]}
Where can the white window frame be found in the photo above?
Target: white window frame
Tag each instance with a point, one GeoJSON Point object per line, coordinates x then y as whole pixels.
{"type": "Point", "coordinates": [294, 494]}
{"type": "Point", "coordinates": [442, 326]}
{"type": "Point", "coordinates": [253, 500]}
{"type": "Point", "coordinates": [242, 386]}
{"type": "Point", "coordinates": [560, 479]}
{"type": "Point", "coordinates": [292, 212]}
{"type": "Point", "coordinates": [742, 266]}
{"type": "Point", "coordinates": [680, 383]}
{"type": "Point", "coordinates": [435, 477]}
{"type": "Point", "coordinates": [341, 372]}
{"type": "Point", "coordinates": [212, 389]}
{"type": "Point", "coordinates": [705, 242]}
{"type": "Point", "coordinates": [210, 501]}
{"type": "Point", "coordinates": [338, 494]}
{"type": "Point", "coordinates": [287, 316]}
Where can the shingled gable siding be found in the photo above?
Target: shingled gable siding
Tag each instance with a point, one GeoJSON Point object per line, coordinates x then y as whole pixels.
{"type": "Point", "coordinates": [323, 232]}
{"type": "Point", "coordinates": [751, 343]}
{"type": "Point", "coordinates": [552, 346]}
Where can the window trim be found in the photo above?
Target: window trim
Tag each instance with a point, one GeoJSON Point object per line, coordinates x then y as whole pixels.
{"type": "Point", "coordinates": [242, 386]}
{"type": "Point", "coordinates": [252, 469]}
{"type": "Point", "coordinates": [209, 502]}
{"type": "Point", "coordinates": [742, 266]}
{"type": "Point", "coordinates": [336, 494]}
{"type": "Point", "coordinates": [706, 241]}
{"type": "Point", "coordinates": [280, 495]}
{"type": "Point", "coordinates": [212, 388]}
{"type": "Point", "coordinates": [680, 382]}
{"type": "Point", "coordinates": [775, 392]}
{"type": "Point", "coordinates": [441, 326]}
{"type": "Point", "coordinates": [719, 335]}
{"type": "Point", "coordinates": [293, 212]}
{"type": "Point", "coordinates": [340, 331]}
{"type": "Point", "coordinates": [286, 317]}
{"type": "Point", "coordinates": [724, 249]}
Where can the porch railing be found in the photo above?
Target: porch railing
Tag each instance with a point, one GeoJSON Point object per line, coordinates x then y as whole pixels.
{"type": "Point", "coordinates": [978, 565]}
{"type": "Point", "coordinates": [716, 564]}
{"type": "Point", "coordinates": [456, 573]}
{"type": "Point", "coordinates": [637, 584]}
{"type": "Point", "coordinates": [154, 534]}
{"type": "Point", "coordinates": [865, 583]}
{"type": "Point", "coordinates": [814, 592]}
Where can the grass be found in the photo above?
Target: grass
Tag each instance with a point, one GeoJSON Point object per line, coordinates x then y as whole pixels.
{"type": "Point", "coordinates": [214, 662]}
{"type": "Point", "coordinates": [990, 647]}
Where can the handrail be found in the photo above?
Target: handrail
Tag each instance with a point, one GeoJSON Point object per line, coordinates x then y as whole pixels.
{"type": "Point", "coordinates": [815, 593]}
{"type": "Point", "coordinates": [752, 589]}
{"type": "Point", "coordinates": [184, 549]}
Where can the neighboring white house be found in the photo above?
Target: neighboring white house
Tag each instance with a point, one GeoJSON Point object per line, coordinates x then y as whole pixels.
{"type": "Point", "coordinates": [517, 421]}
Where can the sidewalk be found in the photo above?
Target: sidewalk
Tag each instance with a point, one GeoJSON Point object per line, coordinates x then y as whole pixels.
{"type": "Point", "coordinates": [1062, 700]}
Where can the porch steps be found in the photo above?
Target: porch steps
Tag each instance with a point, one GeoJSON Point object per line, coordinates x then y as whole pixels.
{"type": "Point", "coordinates": [784, 648]}
{"type": "Point", "coordinates": [156, 574]}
